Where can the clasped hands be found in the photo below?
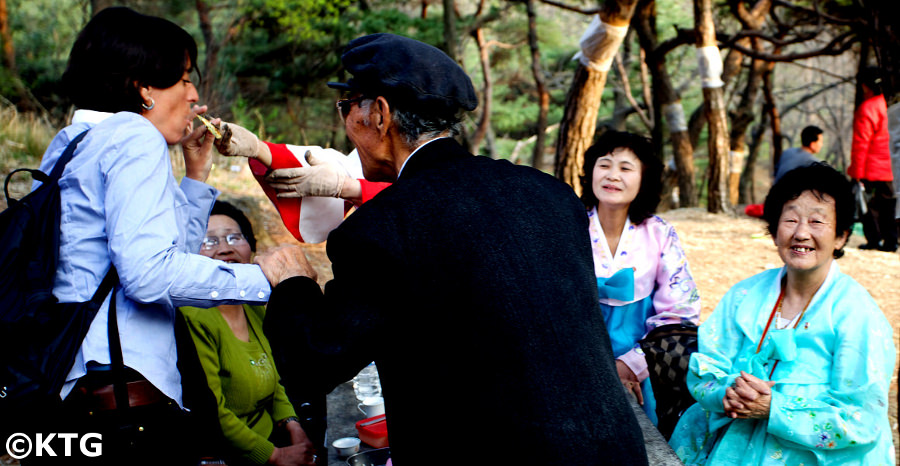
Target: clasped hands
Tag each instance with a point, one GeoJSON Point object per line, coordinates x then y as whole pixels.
{"type": "Point", "coordinates": [748, 398]}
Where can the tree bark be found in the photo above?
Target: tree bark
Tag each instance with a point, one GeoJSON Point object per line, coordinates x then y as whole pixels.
{"type": "Point", "coordinates": [538, 159]}
{"type": "Point", "coordinates": [747, 192]}
{"type": "Point", "coordinates": [212, 51]}
{"type": "Point", "coordinates": [774, 117]}
{"type": "Point", "coordinates": [579, 123]}
{"type": "Point", "coordinates": [665, 96]}
{"type": "Point", "coordinates": [714, 108]}
{"type": "Point", "coordinates": [450, 29]}
{"type": "Point", "coordinates": [9, 60]}
{"type": "Point", "coordinates": [741, 119]}
{"type": "Point", "coordinates": [484, 122]}
{"type": "Point", "coordinates": [730, 68]}
{"type": "Point", "coordinates": [743, 116]}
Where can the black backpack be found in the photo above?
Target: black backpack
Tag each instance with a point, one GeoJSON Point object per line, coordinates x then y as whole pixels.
{"type": "Point", "coordinates": [40, 337]}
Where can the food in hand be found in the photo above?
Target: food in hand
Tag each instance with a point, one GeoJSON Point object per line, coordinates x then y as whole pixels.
{"type": "Point", "coordinates": [211, 127]}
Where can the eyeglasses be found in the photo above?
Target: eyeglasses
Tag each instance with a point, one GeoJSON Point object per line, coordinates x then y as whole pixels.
{"type": "Point", "coordinates": [344, 106]}
{"type": "Point", "coordinates": [212, 242]}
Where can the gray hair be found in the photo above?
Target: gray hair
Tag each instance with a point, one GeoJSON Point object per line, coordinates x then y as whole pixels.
{"type": "Point", "coordinates": [416, 128]}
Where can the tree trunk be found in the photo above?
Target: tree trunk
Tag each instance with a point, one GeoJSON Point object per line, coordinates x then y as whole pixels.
{"type": "Point", "coordinates": [9, 61]}
{"type": "Point", "coordinates": [212, 53]}
{"type": "Point", "coordinates": [774, 118]}
{"type": "Point", "coordinates": [714, 108]}
{"type": "Point", "coordinates": [621, 108]}
{"type": "Point", "coordinates": [576, 130]}
{"type": "Point", "coordinates": [538, 159]}
{"type": "Point", "coordinates": [484, 122]}
{"type": "Point", "coordinates": [668, 104]}
{"type": "Point", "coordinates": [730, 69]}
{"type": "Point", "coordinates": [747, 185]}
{"type": "Point", "coordinates": [450, 29]}
{"type": "Point", "coordinates": [743, 116]}
{"type": "Point", "coordinates": [741, 119]}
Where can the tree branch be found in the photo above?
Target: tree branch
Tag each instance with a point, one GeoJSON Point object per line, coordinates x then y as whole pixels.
{"type": "Point", "coordinates": [835, 47]}
{"type": "Point", "coordinates": [816, 13]}
{"type": "Point", "coordinates": [815, 93]}
{"type": "Point", "coordinates": [627, 92]}
{"type": "Point", "coordinates": [584, 11]}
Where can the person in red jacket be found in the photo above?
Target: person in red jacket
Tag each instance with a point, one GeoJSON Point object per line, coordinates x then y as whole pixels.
{"type": "Point", "coordinates": [870, 164]}
{"type": "Point", "coordinates": [312, 187]}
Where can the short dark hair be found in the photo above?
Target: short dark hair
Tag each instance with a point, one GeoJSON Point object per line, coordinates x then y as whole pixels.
{"type": "Point", "coordinates": [820, 179]}
{"type": "Point", "coordinates": [871, 76]}
{"type": "Point", "coordinates": [648, 196]}
{"type": "Point", "coordinates": [228, 210]}
{"type": "Point", "coordinates": [121, 50]}
{"type": "Point", "coordinates": [809, 135]}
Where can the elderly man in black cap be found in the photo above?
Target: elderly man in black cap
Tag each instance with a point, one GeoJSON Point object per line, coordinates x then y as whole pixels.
{"type": "Point", "coordinates": [483, 315]}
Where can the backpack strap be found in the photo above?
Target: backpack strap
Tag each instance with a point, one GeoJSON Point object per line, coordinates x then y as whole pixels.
{"type": "Point", "coordinates": [120, 387]}
{"type": "Point", "coordinates": [63, 160]}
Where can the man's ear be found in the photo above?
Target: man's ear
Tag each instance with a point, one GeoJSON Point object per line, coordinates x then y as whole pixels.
{"type": "Point", "coordinates": [381, 116]}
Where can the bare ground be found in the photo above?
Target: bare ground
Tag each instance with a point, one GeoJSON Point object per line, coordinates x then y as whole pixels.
{"type": "Point", "coordinates": [722, 250]}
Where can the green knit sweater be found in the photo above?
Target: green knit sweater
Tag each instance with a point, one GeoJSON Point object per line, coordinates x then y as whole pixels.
{"type": "Point", "coordinates": [243, 378]}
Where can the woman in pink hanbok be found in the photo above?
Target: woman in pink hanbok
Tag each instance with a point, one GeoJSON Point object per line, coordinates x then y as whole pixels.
{"type": "Point", "coordinates": [642, 272]}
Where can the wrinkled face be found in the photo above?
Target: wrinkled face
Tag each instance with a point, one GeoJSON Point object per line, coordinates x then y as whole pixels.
{"type": "Point", "coordinates": [617, 178]}
{"type": "Point", "coordinates": [220, 226]}
{"type": "Point", "coordinates": [171, 112]}
{"type": "Point", "coordinates": [359, 122]}
{"type": "Point", "coordinates": [806, 238]}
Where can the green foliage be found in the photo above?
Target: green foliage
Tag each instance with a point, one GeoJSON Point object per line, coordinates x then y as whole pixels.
{"type": "Point", "coordinates": [42, 51]}
{"type": "Point", "coordinates": [299, 20]}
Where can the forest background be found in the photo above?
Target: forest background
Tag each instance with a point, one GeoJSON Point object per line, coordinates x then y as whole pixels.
{"type": "Point", "coordinates": [264, 63]}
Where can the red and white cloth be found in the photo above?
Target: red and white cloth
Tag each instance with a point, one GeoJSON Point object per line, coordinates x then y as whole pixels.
{"type": "Point", "coordinates": [311, 219]}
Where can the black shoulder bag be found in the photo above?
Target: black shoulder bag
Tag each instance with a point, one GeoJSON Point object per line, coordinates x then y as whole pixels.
{"type": "Point", "coordinates": [40, 336]}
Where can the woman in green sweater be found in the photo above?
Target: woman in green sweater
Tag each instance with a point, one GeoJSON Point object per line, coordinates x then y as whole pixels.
{"type": "Point", "coordinates": [237, 359]}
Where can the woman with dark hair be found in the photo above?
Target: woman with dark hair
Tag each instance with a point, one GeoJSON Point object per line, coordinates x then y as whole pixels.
{"type": "Point", "coordinates": [131, 77]}
{"type": "Point", "coordinates": [794, 365]}
{"type": "Point", "coordinates": [642, 272]}
{"type": "Point", "coordinates": [254, 411]}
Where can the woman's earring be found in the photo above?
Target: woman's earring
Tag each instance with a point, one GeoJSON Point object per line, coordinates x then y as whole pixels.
{"type": "Point", "coordinates": [149, 107]}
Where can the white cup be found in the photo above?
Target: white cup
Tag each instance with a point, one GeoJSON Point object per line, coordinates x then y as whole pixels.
{"type": "Point", "coordinates": [372, 406]}
{"type": "Point", "coordinates": [346, 446]}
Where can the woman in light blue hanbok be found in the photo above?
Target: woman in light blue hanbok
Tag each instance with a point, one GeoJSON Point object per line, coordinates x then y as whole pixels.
{"type": "Point", "coordinates": [794, 364]}
{"type": "Point", "coordinates": [642, 272]}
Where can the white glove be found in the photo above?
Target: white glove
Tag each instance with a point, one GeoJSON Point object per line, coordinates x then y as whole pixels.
{"type": "Point", "coordinates": [237, 141]}
{"type": "Point", "coordinates": [320, 178]}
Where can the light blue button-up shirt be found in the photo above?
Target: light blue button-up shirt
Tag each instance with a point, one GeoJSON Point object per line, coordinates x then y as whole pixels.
{"type": "Point", "coordinates": [121, 205]}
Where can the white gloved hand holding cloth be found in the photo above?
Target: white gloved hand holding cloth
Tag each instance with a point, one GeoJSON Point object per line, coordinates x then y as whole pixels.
{"type": "Point", "coordinates": [319, 178]}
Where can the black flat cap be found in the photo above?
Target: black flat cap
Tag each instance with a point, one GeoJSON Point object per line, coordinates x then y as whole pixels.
{"type": "Point", "coordinates": [411, 74]}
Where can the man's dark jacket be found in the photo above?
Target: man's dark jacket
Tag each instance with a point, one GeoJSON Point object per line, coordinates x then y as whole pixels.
{"type": "Point", "coordinates": [470, 283]}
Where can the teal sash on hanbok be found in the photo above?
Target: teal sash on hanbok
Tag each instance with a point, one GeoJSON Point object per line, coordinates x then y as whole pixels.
{"type": "Point", "coordinates": [627, 323]}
